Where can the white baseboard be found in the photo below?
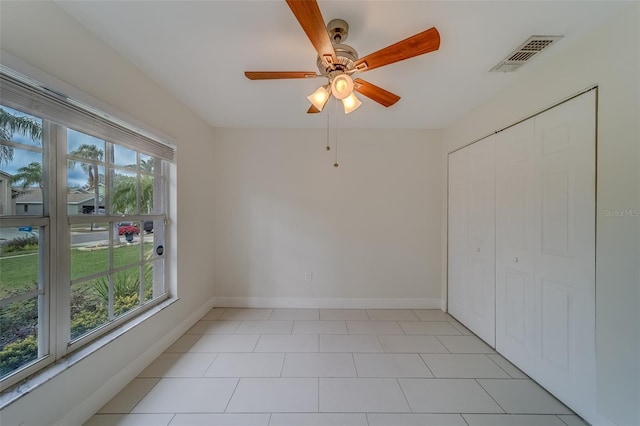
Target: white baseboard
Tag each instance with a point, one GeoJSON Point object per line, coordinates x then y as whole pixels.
{"type": "Point", "coordinates": [83, 411]}
{"type": "Point", "coordinates": [325, 303]}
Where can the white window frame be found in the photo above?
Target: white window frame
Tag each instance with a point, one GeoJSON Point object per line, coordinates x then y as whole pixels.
{"type": "Point", "coordinates": [54, 338]}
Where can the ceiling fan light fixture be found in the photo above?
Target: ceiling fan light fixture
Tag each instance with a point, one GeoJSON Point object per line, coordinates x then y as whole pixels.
{"type": "Point", "coordinates": [351, 103]}
{"type": "Point", "coordinates": [342, 86]}
{"type": "Point", "coordinates": [319, 98]}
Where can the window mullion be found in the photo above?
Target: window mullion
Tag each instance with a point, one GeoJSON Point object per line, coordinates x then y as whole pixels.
{"type": "Point", "coordinates": [61, 245]}
{"type": "Point", "coordinates": [113, 228]}
{"type": "Point", "coordinates": [47, 267]}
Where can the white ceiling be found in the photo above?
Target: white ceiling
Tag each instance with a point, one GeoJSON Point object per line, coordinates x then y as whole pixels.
{"type": "Point", "coordinates": [199, 50]}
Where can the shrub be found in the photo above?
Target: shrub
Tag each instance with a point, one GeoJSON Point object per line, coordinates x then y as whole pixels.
{"type": "Point", "coordinates": [125, 303]}
{"type": "Point", "coordinates": [87, 311]}
{"type": "Point", "coordinates": [87, 320]}
{"type": "Point", "coordinates": [18, 320]}
{"type": "Point", "coordinates": [125, 284]}
{"type": "Point", "coordinates": [89, 304]}
{"type": "Point", "coordinates": [17, 354]}
{"type": "Point", "coordinates": [21, 244]}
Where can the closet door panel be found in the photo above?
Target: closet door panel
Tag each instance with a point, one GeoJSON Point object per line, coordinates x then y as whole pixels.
{"type": "Point", "coordinates": [458, 234]}
{"type": "Point", "coordinates": [565, 252]}
{"type": "Point", "coordinates": [481, 249]}
{"type": "Point", "coordinates": [515, 333]}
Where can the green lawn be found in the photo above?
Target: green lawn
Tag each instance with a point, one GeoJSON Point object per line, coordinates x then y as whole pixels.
{"type": "Point", "coordinates": [19, 271]}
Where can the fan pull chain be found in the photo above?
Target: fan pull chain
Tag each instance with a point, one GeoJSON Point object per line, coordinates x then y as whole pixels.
{"type": "Point", "coordinates": [328, 148]}
{"type": "Point", "coordinates": [336, 151]}
{"type": "Point", "coordinates": [336, 134]}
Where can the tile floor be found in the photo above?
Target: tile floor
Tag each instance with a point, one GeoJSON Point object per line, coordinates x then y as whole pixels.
{"type": "Point", "coordinates": [332, 367]}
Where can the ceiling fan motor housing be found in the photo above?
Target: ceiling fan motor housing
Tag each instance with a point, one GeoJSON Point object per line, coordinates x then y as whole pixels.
{"type": "Point", "coordinates": [338, 30]}
{"type": "Point", "coordinates": [346, 55]}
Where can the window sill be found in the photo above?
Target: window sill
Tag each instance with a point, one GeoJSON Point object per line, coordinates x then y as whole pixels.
{"type": "Point", "coordinates": [28, 385]}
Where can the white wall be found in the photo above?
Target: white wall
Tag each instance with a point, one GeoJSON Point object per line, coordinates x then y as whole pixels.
{"type": "Point", "coordinates": [368, 231]}
{"type": "Point", "coordinates": [610, 58]}
{"type": "Point", "coordinates": [44, 36]}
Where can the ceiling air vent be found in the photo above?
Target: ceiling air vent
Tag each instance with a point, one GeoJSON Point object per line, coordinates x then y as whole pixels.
{"type": "Point", "coordinates": [523, 54]}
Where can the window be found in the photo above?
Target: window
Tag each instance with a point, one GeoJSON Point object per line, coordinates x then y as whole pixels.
{"type": "Point", "coordinates": [83, 210]}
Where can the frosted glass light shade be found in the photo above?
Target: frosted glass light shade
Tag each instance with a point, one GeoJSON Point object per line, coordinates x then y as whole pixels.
{"type": "Point", "coordinates": [342, 86]}
{"type": "Point", "coordinates": [351, 103]}
{"type": "Point", "coordinates": [319, 98]}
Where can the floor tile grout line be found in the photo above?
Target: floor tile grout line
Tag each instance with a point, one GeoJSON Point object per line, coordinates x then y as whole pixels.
{"type": "Point", "coordinates": [255, 345]}
{"type": "Point", "coordinates": [380, 343]}
{"type": "Point", "coordinates": [491, 396]}
{"type": "Point", "coordinates": [499, 366]}
{"type": "Point", "coordinates": [427, 365]}
{"type": "Point", "coordinates": [404, 395]}
{"type": "Point", "coordinates": [562, 420]}
{"type": "Point", "coordinates": [232, 393]}
{"type": "Point", "coordinates": [355, 366]}
{"type": "Point", "coordinates": [171, 419]}
{"type": "Point", "coordinates": [209, 366]}
{"type": "Point", "coordinates": [464, 419]}
{"type": "Point", "coordinates": [442, 343]}
{"type": "Point", "coordinates": [143, 396]}
{"type": "Point", "coordinates": [318, 381]}
{"type": "Point", "coordinates": [284, 359]}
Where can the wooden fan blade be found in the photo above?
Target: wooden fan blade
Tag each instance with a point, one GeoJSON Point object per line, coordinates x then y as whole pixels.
{"type": "Point", "coordinates": [374, 92]}
{"type": "Point", "coordinates": [313, 110]}
{"type": "Point", "coordinates": [308, 15]}
{"type": "Point", "coordinates": [276, 75]}
{"type": "Point", "coordinates": [419, 44]}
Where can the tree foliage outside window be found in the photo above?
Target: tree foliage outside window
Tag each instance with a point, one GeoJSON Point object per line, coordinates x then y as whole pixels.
{"type": "Point", "coordinates": [29, 175]}
{"type": "Point", "coordinates": [11, 124]}
{"type": "Point", "coordinates": [125, 195]}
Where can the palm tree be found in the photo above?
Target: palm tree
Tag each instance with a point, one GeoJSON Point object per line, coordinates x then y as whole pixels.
{"type": "Point", "coordinates": [124, 195]}
{"type": "Point", "coordinates": [10, 124]}
{"type": "Point", "coordinates": [6, 154]}
{"type": "Point", "coordinates": [146, 165]}
{"type": "Point", "coordinates": [90, 152]}
{"type": "Point", "coordinates": [29, 175]}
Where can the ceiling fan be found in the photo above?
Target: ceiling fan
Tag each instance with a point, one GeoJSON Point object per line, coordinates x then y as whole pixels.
{"type": "Point", "coordinates": [337, 61]}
